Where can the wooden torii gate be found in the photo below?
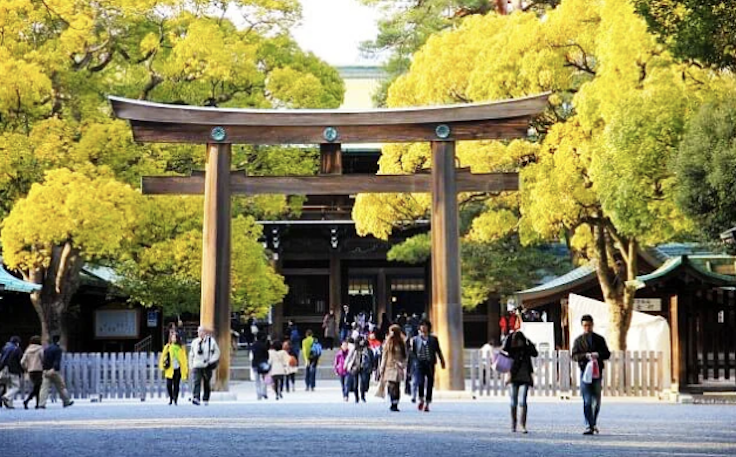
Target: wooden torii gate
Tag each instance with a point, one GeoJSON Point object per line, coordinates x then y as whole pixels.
{"type": "Point", "coordinates": [219, 128]}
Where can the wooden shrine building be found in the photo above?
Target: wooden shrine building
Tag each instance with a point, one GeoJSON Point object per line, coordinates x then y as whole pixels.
{"type": "Point", "coordinates": [695, 293]}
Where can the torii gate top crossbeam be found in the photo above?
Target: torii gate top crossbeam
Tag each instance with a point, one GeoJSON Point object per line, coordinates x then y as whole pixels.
{"type": "Point", "coordinates": [163, 123]}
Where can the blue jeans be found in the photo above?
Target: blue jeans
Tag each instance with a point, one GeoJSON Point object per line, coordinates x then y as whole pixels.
{"type": "Point", "coordinates": [591, 394]}
{"type": "Point", "coordinates": [344, 332]}
{"type": "Point", "coordinates": [310, 377]}
{"type": "Point", "coordinates": [345, 383]}
{"type": "Point", "coordinates": [514, 391]}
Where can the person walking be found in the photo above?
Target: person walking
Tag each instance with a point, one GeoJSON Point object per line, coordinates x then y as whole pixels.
{"type": "Point", "coordinates": [292, 367]}
{"type": "Point", "coordinates": [520, 379]}
{"type": "Point", "coordinates": [393, 364]}
{"type": "Point", "coordinates": [52, 374]}
{"type": "Point", "coordinates": [340, 369]}
{"type": "Point", "coordinates": [279, 360]}
{"type": "Point", "coordinates": [32, 363]}
{"type": "Point", "coordinates": [410, 387]}
{"type": "Point", "coordinates": [203, 358]}
{"type": "Point", "coordinates": [427, 351]}
{"type": "Point", "coordinates": [346, 323]}
{"type": "Point", "coordinates": [590, 348]}
{"type": "Point", "coordinates": [11, 370]}
{"type": "Point", "coordinates": [311, 351]}
{"type": "Point", "coordinates": [360, 366]}
{"type": "Point", "coordinates": [173, 363]}
{"type": "Point", "coordinates": [260, 366]}
{"type": "Point", "coordinates": [383, 326]}
{"type": "Point", "coordinates": [329, 326]}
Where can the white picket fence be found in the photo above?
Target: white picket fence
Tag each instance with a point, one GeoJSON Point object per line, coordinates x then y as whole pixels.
{"type": "Point", "coordinates": [97, 376]}
{"type": "Point", "coordinates": [626, 374]}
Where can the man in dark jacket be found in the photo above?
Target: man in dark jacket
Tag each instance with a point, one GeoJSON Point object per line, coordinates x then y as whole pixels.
{"type": "Point", "coordinates": [426, 350]}
{"type": "Point", "coordinates": [52, 374]}
{"type": "Point", "coordinates": [587, 347]}
{"type": "Point", "coordinates": [10, 370]}
{"type": "Point", "coordinates": [259, 364]}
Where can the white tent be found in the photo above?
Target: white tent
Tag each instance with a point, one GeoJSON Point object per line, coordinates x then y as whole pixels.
{"type": "Point", "coordinates": [647, 332]}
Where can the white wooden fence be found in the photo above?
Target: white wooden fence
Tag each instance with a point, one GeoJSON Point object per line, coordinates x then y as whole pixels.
{"type": "Point", "coordinates": [626, 374]}
{"type": "Point", "coordinates": [97, 376]}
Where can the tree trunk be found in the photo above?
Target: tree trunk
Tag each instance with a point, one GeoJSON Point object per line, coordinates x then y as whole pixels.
{"type": "Point", "coordinates": [53, 319]}
{"type": "Point", "coordinates": [59, 281]}
{"type": "Point", "coordinates": [614, 276]}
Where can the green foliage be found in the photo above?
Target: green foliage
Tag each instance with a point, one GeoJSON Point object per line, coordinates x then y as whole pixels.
{"type": "Point", "coordinates": [500, 267]}
{"type": "Point", "coordinates": [697, 30]}
{"type": "Point", "coordinates": [705, 166]}
{"type": "Point", "coordinates": [414, 250]}
{"type": "Point", "coordinates": [59, 59]}
{"type": "Point", "coordinates": [93, 216]}
{"type": "Point", "coordinates": [406, 26]}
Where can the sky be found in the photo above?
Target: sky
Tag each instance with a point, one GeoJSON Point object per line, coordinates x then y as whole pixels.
{"type": "Point", "coordinates": [334, 29]}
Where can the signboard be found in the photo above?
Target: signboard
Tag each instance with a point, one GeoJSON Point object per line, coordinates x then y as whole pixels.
{"type": "Point", "coordinates": [116, 323]}
{"type": "Point", "coordinates": [652, 305]}
{"type": "Point", "coordinates": [152, 319]}
{"type": "Point", "coordinates": [540, 333]}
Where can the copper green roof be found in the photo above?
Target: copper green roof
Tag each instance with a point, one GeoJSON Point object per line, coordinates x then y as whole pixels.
{"type": "Point", "coordinates": [674, 265]}
{"type": "Point", "coordinates": [13, 284]}
{"type": "Point", "coordinates": [586, 274]}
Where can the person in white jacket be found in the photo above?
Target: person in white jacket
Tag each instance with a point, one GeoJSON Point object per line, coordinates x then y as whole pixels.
{"type": "Point", "coordinates": [279, 360]}
{"type": "Point", "coordinates": [203, 358]}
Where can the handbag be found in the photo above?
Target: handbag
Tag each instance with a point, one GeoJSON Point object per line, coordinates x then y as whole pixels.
{"type": "Point", "coordinates": [167, 360]}
{"type": "Point", "coordinates": [263, 367]}
{"type": "Point", "coordinates": [588, 373]}
{"type": "Point", "coordinates": [501, 362]}
{"type": "Point", "coordinates": [381, 391]}
{"type": "Point", "coordinates": [596, 369]}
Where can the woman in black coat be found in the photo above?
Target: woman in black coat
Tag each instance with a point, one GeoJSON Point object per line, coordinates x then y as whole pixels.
{"type": "Point", "coordinates": [521, 350]}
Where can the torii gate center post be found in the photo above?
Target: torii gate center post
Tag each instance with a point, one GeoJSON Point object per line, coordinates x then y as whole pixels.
{"type": "Point", "coordinates": [219, 128]}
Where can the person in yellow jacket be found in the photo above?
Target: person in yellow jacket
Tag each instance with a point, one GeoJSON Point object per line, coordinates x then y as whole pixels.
{"type": "Point", "coordinates": [173, 362]}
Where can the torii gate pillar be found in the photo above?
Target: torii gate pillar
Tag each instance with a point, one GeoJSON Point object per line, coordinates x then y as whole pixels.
{"type": "Point", "coordinates": [215, 300]}
{"type": "Point", "coordinates": [446, 306]}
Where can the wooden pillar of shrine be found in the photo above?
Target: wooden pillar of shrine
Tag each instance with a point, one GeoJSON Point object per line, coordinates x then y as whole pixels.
{"type": "Point", "coordinates": [446, 304]}
{"type": "Point", "coordinates": [215, 299]}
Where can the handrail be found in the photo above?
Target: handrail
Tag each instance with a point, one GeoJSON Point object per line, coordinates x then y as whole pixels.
{"type": "Point", "coordinates": [144, 345]}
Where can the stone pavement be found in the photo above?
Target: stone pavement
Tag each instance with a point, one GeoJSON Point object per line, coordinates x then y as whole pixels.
{"type": "Point", "coordinates": [320, 423]}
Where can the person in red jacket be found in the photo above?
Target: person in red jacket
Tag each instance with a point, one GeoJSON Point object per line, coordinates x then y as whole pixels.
{"type": "Point", "coordinates": [503, 324]}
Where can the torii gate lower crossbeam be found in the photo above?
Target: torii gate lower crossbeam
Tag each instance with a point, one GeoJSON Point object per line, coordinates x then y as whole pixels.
{"type": "Point", "coordinates": [442, 126]}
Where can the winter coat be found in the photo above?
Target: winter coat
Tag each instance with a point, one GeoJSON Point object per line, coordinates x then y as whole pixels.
{"type": "Point", "coordinates": [33, 358]}
{"type": "Point", "coordinates": [581, 347]}
{"type": "Point", "coordinates": [329, 324]}
{"type": "Point", "coordinates": [11, 356]}
{"type": "Point", "coordinates": [307, 349]}
{"type": "Point", "coordinates": [183, 366]}
{"type": "Point", "coordinates": [393, 362]}
{"type": "Point", "coordinates": [260, 353]}
{"type": "Point", "coordinates": [52, 357]}
{"type": "Point", "coordinates": [339, 365]}
{"type": "Point", "coordinates": [279, 361]}
{"type": "Point", "coordinates": [522, 367]}
{"type": "Point", "coordinates": [433, 345]}
{"type": "Point", "coordinates": [359, 361]}
{"type": "Point", "coordinates": [210, 352]}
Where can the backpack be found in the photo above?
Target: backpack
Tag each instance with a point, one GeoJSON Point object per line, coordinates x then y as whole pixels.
{"type": "Point", "coordinates": [316, 351]}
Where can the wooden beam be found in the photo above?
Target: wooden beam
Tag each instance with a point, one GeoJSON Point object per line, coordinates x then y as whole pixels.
{"type": "Point", "coordinates": [215, 301]}
{"type": "Point", "coordinates": [138, 110]}
{"type": "Point", "coordinates": [159, 132]}
{"type": "Point", "coordinates": [330, 184]}
{"type": "Point", "coordinates": [446, 304]}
